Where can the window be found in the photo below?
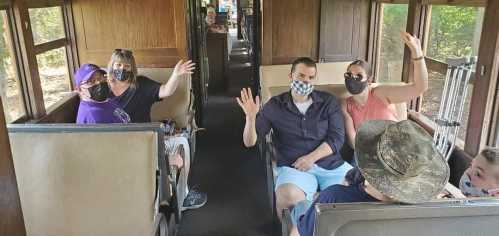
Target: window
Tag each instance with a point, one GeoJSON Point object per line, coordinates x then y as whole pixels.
{"type": "Point", "coordinates": [49, 36]}
{"type": "Point", "coordinates": [10, 87]}
{"type": "Point", "coordinates": [47, 24]}
{"type": "Point", "coordinates": [497, 134]}
{"type": "Point", "coordinates": [54, 75]}
{"type": "Point", "coordinates": [391, 48]}
{"type": "Point", "coordinates": [454, 32]}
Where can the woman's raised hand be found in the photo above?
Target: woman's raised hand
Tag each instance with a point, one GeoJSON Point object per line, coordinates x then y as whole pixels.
{"type": "Point", "coordinates": [184, 68]}
{"type": "Point", "coordinates": [413, 43]}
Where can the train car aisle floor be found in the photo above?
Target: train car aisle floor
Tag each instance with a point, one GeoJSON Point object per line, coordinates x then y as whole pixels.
{"type": "Point", "coordinates": [231, 175]}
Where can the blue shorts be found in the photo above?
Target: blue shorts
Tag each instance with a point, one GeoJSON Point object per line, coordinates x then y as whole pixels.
{"type": "Point", "coordinates": [311, 180]}
{"type": "Point", "coordinates": [299, 209]}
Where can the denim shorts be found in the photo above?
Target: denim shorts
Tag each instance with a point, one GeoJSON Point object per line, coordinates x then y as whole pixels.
{"type": "Point", "coordinates": [312, 180]}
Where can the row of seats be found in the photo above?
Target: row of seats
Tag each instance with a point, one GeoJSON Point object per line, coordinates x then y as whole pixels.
{"type": "Point", "coordinates": [274, 80]}
{"type": "Point", "coordinates": [442, 217]}
{"type": "Point", "coordinates": [91, 180]}
{"type": "Point", "coordinates": [106, 179]}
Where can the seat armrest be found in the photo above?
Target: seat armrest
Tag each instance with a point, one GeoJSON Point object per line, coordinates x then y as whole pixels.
{"type": "Point", "coordinates": [287, 223]}
{"type": "Point", "coordinates": [160, 225]}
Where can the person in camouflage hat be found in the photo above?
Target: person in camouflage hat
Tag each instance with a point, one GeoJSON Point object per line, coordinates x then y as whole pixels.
{"type": "Point", "coordinates": [400, 160]}
{"type": "Point", "coordinates": [397, 162]}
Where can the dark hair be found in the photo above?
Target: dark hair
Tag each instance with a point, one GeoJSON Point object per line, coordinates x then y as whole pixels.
{"type": "Point", "coordinates": [305, 61]}
{"type": "Point", "coordinates": [362, 64]}
{"type": "Point", "coordinates": [491, 155]}
{"type": "Point", "coordinates": [354, 177]}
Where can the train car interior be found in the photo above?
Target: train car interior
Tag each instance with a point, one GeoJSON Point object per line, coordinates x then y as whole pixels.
{"type": "Point", "coordinates": [201, 117]}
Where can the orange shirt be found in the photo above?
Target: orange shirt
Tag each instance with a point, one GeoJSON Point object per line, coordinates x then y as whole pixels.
{"type": "Point", "coordinates": [374, 109]}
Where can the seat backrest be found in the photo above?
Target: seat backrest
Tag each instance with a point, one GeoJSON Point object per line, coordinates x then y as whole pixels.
{"type": "Point", "coordinates": [338, 90]}
{"type": "Point", "coordinates": [178, 106]}
{"type": "Point", "coordinates": [277, 76]}
{"type": "Point", "coordinates": [439, 218]}
{"type": "Point", "coordinates": [87, 180]}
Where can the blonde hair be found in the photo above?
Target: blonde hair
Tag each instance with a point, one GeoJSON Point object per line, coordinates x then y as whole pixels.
{"type": "Point", "coordinates": [124, 56]}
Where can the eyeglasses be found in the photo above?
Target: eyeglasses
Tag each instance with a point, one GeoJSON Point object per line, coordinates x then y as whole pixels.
{"type": "Point", "coordinates": [122, 51]}
{"type": "Point", "coordinates": [350, 75]}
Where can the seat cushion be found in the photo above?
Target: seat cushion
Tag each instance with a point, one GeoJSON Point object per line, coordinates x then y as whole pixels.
{"type": "Point", "coordinates": [82, 184]}
{"type": "Point", "coordinates": [177, 106]}
{"type": "Point", "coordinates": [340, 92]}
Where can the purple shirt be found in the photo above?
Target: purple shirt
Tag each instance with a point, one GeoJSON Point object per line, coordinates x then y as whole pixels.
{"type": "Point", "coordinates": [101, 112]}
{"type": "Point", "coordinates": [295, 134]}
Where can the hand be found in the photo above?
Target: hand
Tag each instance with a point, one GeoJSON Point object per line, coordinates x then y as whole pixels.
{"type": "Point", "coordinates": [176, 160]}
{"type": "Point", "coordinates": [304, 163]}
{"type": "Point", "coordinates": [184, 68]}
{"type": "Point", "coordinates": [413, 43]}
{"type": "Point", "coordinates": [246, 102]}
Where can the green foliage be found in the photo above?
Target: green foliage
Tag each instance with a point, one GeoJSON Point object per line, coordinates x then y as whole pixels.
{"type": "Point", "coordinates": [454, 31]}
{"type": "Point", "coordinates": [47, 25]}
{"type": "Point", "coordinates": [392, 48]}
{"type": "Point", "coordinates": [3, 46]}
{"type": "Point", "coordinates": [394, 21]}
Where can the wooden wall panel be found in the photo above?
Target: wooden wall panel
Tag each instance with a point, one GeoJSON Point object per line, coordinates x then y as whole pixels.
{"type": "Point", "coordinates": [291, 29]}
{"type": "Point", "coordinates": [266, 36]}
{"type": "Point", "coordinates": [154, 29]}
{"type": "Point", "coordinates": [344, 30]}
{"type": "Point", "coordinates": [295, 29]}
{"type": "Point", "coordinates": [11, 217]}
{"type": "Point", "coordinates": [65, 111]}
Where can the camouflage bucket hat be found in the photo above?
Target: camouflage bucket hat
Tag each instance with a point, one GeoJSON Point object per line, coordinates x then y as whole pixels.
{"type": "Point", "coordinates": [400, 160]}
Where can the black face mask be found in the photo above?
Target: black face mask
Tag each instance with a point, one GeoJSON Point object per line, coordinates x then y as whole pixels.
{"type": "Point", "coordinates": [354, 83]}
{"type": "Point", "coordinates": [99, 92]}
{"type": "Point", "coordinates": [121, 74]}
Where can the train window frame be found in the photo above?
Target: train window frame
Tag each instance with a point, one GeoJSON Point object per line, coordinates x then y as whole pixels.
{"type": "Point", "coordinates": [56, 44]}
{"type": "Point", "coordinates": [440, 68]}
{"type": "Point", "coordinates": [28, 52]}
{"type": "Point", "coordinates": [6, 5]}
{"type": "Point", "coordinates": [378, 44]}
{"type": "Point", "coordinates": [475, 138]}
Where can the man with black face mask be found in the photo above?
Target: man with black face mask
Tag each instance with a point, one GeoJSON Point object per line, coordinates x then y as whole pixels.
{"type": "Point", "coordinates": [95, 105]}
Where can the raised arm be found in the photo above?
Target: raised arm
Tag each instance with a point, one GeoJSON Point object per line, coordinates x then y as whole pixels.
{"type": "Point", "coordinates": [250, 108]}
{"type": "Point", "coordinates": [402, 93]}
{"type": "Point", "coordinates": [182, 69]}
{"type": "Point", "coordinates": [349, 126]}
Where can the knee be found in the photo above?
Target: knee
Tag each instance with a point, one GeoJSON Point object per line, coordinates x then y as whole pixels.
{"type": "Point", "coordinates": [289, 194]}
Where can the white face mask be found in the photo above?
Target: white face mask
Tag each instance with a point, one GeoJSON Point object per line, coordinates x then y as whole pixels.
{"type": "Point", "coordinates": [301, 88]}
{"type": "Point", "coordinates": [469, 190]}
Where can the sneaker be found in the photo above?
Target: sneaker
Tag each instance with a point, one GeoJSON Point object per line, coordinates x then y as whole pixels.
{"type": "Point", "coordinates": [194, 200]}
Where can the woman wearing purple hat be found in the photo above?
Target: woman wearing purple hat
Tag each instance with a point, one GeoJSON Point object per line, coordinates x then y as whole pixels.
{"type": "Point", "coordinates": [95, 105]}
